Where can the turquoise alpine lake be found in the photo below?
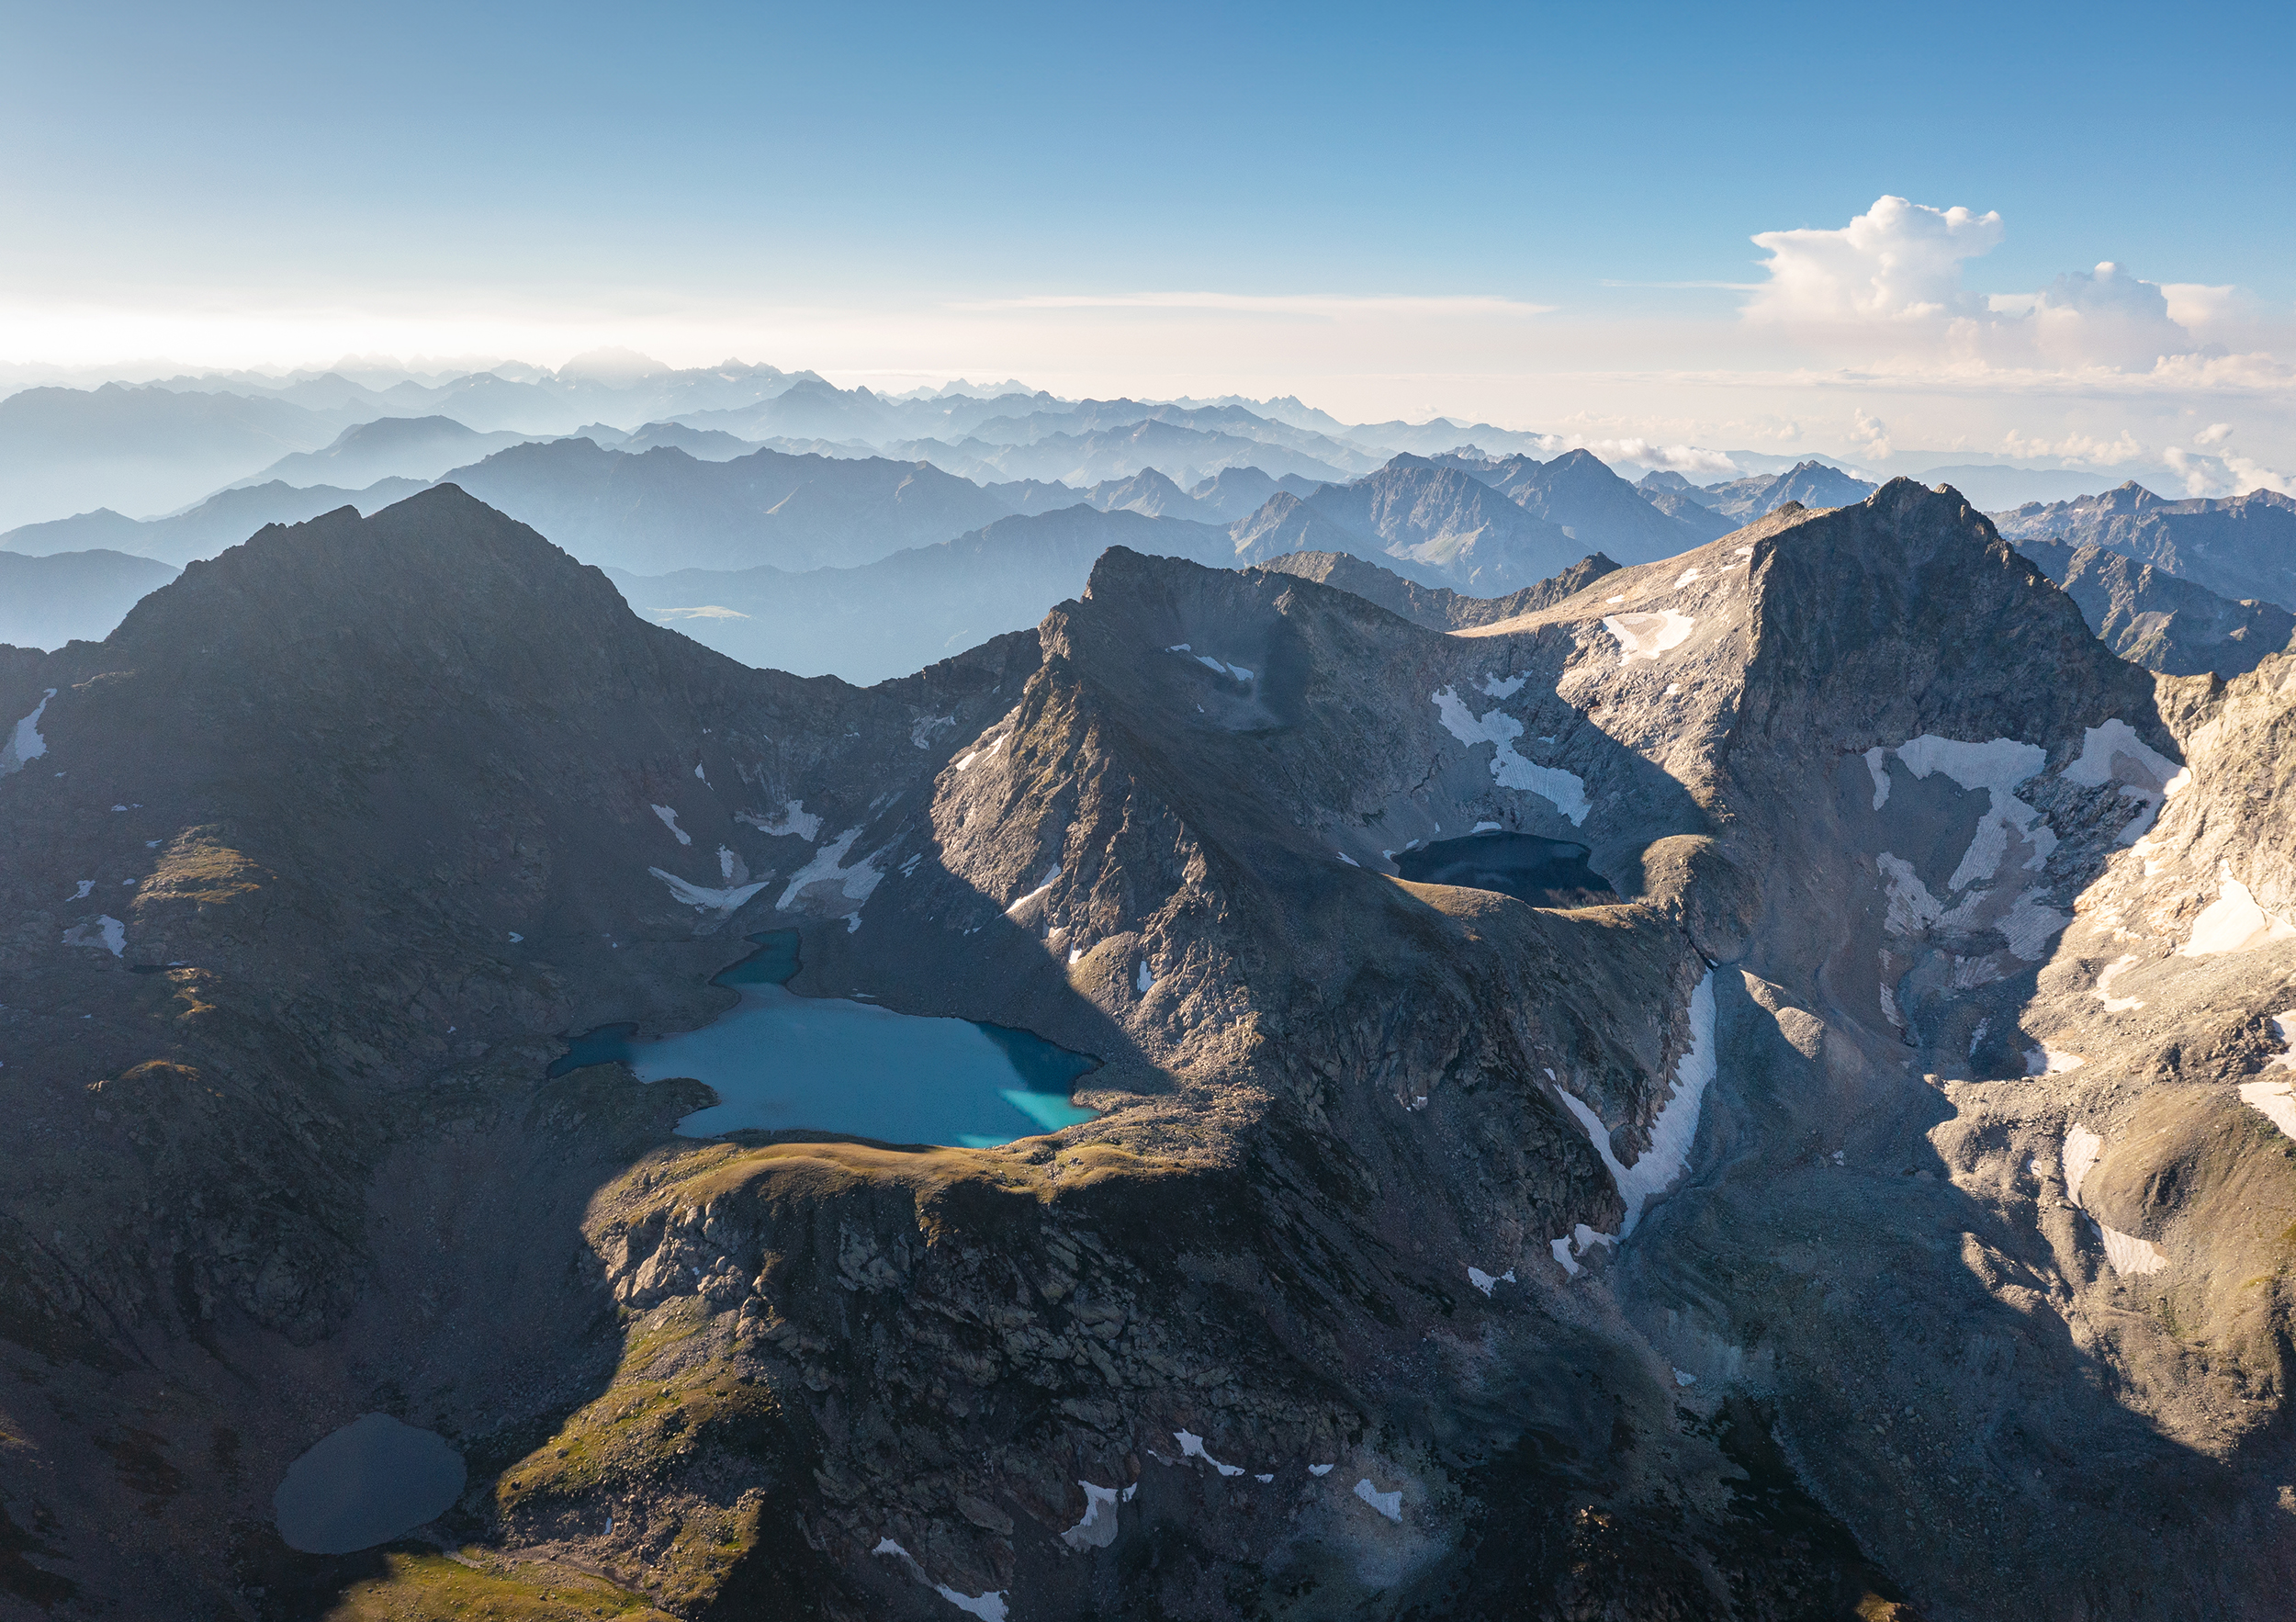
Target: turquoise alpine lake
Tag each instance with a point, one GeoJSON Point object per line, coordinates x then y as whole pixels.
{"type": "Point", "coordinates": [779, 1061]}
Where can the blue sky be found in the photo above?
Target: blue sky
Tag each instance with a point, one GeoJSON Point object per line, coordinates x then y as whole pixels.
{"type": "Point", "coordinates": [876, 187]}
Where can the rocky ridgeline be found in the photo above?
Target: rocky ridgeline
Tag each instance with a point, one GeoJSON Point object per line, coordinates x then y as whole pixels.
{"type": "Point", "coordinates": [1881, 1202]}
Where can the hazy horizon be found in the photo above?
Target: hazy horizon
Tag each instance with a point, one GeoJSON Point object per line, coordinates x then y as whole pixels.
{"type": "Point", "coordinates": [1677, 240]}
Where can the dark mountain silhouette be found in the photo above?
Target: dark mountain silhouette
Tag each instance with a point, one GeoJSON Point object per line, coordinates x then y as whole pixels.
{"type": "Point", "coordinates": [1828, 1217]}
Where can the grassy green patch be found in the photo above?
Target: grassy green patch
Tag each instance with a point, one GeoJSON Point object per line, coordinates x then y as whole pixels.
{"type": "Point", "coordinates": [418, 1587]}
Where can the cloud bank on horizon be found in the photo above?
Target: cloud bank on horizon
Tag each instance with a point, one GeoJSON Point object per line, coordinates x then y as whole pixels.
{"type": "Point", "coordinates": [1863, 340]}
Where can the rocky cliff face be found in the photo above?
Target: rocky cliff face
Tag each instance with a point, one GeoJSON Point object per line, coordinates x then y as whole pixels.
{"type": "Point", "coordinates": [1873, 1212]}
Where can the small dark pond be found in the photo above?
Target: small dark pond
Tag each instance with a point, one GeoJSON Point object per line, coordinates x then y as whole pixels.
{"type": "Point", "coordinates": [779, 1061]}
{"type": "Point", "coordinates": [371, 1482]}
{"type": "Point", "coordinates": [1545, 873]}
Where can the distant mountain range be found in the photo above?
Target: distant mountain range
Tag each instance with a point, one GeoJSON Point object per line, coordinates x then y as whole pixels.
{"type": "Point", "coordinates": [387, 447]}
{"type": "Point", "coordinates": [223, 520]}
{"type": "Point", "coordinates": [1469, 524]}
{"type": "Point", "coordinates": [1231, 494]}
{"type": "Point", "coordinates": [2150, 617]}
{"type": "Point", "coordinates": [144, 450]}
{"type": "Point", "coordinates": [48, 602]}
{"type": "Point", "coordinates": [902, 611]}
{"type": "Point", "coordinates": [664, 510]}
{"type": "Point", "coordinates": [2241, 547]}
{"type": "Point", "coordinates": [1435, 607]}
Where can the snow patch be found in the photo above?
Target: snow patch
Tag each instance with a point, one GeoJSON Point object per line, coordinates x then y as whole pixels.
{"type": "Point", "coordinates": [2276, 1099]}
{"type": "Point", "coordinates": [1487, 1281]}
{"type": "Point", "coordinates": [988, 1607]}
{"type": "Point", "coordinates": [2104, 988]}
{"type": "Point", "coordinates": [1484, 827]}
{"type": "Point", "coordinates": [726, 901]}
{"type": "Point", "coordinates": [2114, 752]}
{"type": "Point", "coordinates": [85, 886]}
{"type": "Point", "coordinates": [1390, 1505]}
{"type": "Point", "coordinates": [114, 934]}
{"type": "Point", "coordinates": [1143, 980]}
{"type": "Point", "coordinates": [1877, 768]}
{"type": "Point", "coordinates": [1563, 790]}
{"type": "Point", "coordinates": [1647, 636]}
{"type": "Point", "coordinates": [857, 882]}
{"type": "Point", "coordinates": [1911, 906]}
{"type": "Point", "coordinates": [2103, 746]}
{"type": "Point", "coordinates": [1494, 687]}
{"type": "Point", "coordinates": [1561, 1247]}
{"type": "Point", "coordinates": [26, 743]}
{"type": "Point", "coordinates": [2129, 1254]}
{"type": "Point", "coordinates": [1997, 767]}
{"type": "Point", "coordinates": [2046, 1061]}
{"type": "Point", "coordinates": [1684, 578]}
{"type": "Point", "coordinates": [794, 820]}
{"type": "Point", "coordinates": [1684, 1377]}
{"type": "Point", "coordinates": [2234, 922]}
{"type": "Point", "coordinates": [670, 821]}
{"type": "Point", "coordinates": [698, 771]}
{"type": "Point", "coordinates": [1322, 1469]}
{"type": "Point", "coordinates": [2080, 1152]}
{"type": "Point", "coordinates": [2029, 926]}
{"type": "Point", "coordinates": [1192, 1447]}
{"type": "Point", "coordinates": [921, 732]}
{"type": "Point", "coordinates": [1676, 1128]}
{"type": "Point", "coordinates": [1095, 1531]}
{"type": "Point", "coordinates": [995, 745]}
{"type": "Point", "coordinates": [1049, 879]}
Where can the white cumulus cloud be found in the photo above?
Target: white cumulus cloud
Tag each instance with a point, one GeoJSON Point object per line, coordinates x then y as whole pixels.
{"type": "Point", "coordinates": [1888, 289]}
{"type": "Point", "coordinates": [1898, 261]}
